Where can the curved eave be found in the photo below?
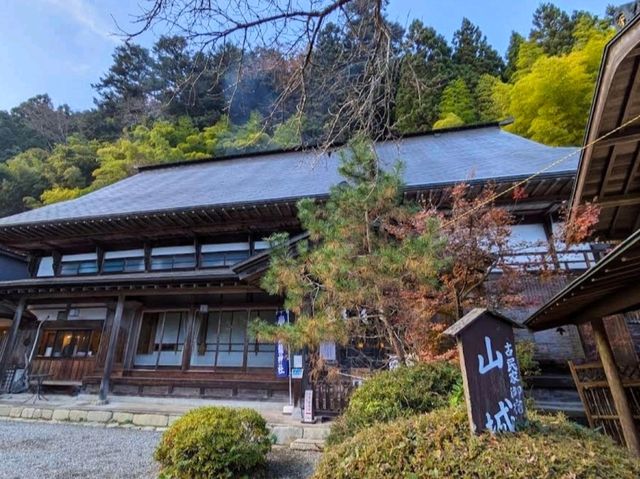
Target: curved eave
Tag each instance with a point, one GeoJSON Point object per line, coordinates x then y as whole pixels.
{"type": "Point", "coordinates": [161, 282]}
{"type": "Point", "coordinates": [608, 171]}
{"type": "Point", "coordinates": [612, 286]}
{"type": "Point", "coordinates": [276, 214]}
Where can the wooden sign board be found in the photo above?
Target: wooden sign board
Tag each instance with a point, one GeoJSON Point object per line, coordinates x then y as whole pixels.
{"type": "Point", "coordinates": [308, 407]}
{"type": "Point", "coordinates": [490, 371]}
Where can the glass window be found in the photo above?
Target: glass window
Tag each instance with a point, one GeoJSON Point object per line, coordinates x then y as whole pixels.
{"type": "Point", "coordinates": [222, 340]}
{"type": "Point", "coordinates": [123, 265]}
{"type": "Point", "coordinates": [204, 353]}
{"type": "Point", "coordinates": [69, 343]}
{"type": "Point", "coordinates": [221, 259]}
{"type": "Point", "coordinates": [73, 268]}
{"type": "Point", "coordinates": [233, 329]}
{"type": "Point", "coordinates": [45, 267]}
{"type": "Point", "coordinates": [174, 261]}
{"type": "Point", "coordinates": [259, 354]}
{"type": "Point", "coordinates": [161, 339]}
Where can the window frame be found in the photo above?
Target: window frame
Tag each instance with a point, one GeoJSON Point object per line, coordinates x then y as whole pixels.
{"type": "Point", "coordinates": [91, 335]}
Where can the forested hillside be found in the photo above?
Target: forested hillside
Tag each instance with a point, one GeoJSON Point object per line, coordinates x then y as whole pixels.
{"type": "Point", "coordinates": [175, 102]}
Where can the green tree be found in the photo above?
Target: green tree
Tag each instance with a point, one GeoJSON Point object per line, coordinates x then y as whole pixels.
{"type": "Point", "coordinates": [71, 164]}
{"type": "Point", "coordinates": [22, 181]}
{"type": "Point", "coordinates": [289, 133]}
{"type": "Point", "coordinates": [16, 136]}
{"type": "Point", "coordinates": [211, 141]}
{"type": "Point", "coordinates": [424, 72]}
{"type": "Point", "coordinates": [472, 54]}
{"type": "Point", "coordinates": [357, 276]}
{"type": "Point", "coordinates": [142, 146]}
{"type": "Point", "coordinates": [124, 92]}
{"type": "Point", "coordinates": [550, 99]}
{"type": "Point", "coordinates": [449, 120]}
{"type": "Point", "coordinates": [487, 106]}
{"type": "Point", "coordinates": [513, 50]}
{"type": "Point", "coordinates": [552, 29]}
{"type": "Point", "coordinates": [457, 99]}
{"type": "Point", "coordinates": [251, 136]}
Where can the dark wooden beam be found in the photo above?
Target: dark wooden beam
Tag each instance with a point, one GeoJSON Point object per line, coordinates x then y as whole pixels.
{"type": "Point", "coordinates": [111, 351]}
{"type": "Point", "coordinates": [620, 400]}
{"type": "Point", "coordinates": [615, 201]}
{"type": "Point", "coordinates": [625, 298]}
{"type": "Point", "coordinates": [13, 336]}
{"type": "Point", "coordinates": [188, 338]}
{"type": "Point", "coordinates": [627, 135]}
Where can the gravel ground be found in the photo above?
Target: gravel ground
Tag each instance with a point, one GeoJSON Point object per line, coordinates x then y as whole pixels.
{"type": "Point", "coordinates": [285, 463]}
{"type": "Point", "coordinates": [33, 450]}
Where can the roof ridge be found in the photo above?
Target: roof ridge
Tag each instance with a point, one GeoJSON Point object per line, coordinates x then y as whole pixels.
{"type": "Point", "coordinates": [312, 147]}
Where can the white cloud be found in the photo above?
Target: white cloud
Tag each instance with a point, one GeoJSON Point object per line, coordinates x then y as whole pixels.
{"type": "Point", "coordinates": [85, 15]}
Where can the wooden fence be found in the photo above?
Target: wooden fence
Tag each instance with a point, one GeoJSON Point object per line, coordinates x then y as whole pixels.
{"type": "Point", "coordinates": [595, 394]}
{"type": "Point", "coordinates": [330, 398]}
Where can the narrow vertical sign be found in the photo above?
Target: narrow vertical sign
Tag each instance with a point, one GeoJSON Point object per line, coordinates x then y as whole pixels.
{"type": "Point", "coordinates": [308, 406]}
{"type": "Point", "coordinates": [282, 356]}
{"type": "Point", "coordinates": [490, 371]}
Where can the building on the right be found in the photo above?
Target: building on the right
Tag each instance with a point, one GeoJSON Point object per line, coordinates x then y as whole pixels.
{"type": "Point", "coordinates": [605, 300]}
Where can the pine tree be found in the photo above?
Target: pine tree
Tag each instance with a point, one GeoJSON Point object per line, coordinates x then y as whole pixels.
{"type": "Point", "coordinates": [515, 41]}
{"type": "Point", "coordinates": [352, 274]}
{"type": "Point", "coordinates": [486, 105]}
{"type": "Point", "coordinates": [472, 54]}
{"type": "Point", "coordinates": [457, 99]}
{"type": "Point", "coordinates": [424, 73]}
{"type": "Point", "coordinates": [125, 91]}
{"type": "Point", "coordinates": [552, 29]}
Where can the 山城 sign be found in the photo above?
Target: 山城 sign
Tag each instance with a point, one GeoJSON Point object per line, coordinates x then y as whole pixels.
{"type": "Point", "coordinates": [492, 383]}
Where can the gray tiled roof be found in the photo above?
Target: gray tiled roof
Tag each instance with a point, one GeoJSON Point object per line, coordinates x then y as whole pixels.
{"type": "Point", "coordinates": [480, 153]}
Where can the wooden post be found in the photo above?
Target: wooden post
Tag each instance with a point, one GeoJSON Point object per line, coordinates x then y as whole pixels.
{"type": "Point", "coordinates": [13, 336]}
{"type": "Point", "coordinates": [620, 399]}
{"type": "Point", "coordinates": [188, 338]}
{"type": "Point", "coordinates": [111, 351]}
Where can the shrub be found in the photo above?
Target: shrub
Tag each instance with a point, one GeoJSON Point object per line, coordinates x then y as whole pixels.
{"type": "Point", "coordinates": [216, 442]}
{"type": "Point", "coordinates": [399, 393]}
{"type": "Point", "coordinates": [525, 351]}
{"type": "Point", "coordinates": [439, 445]}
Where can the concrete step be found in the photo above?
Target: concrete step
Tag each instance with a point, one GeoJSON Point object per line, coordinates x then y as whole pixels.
{"type": "Point", "coordinates": [307, 445]}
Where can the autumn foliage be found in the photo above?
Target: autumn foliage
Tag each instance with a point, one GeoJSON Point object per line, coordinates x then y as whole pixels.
{"type": "Point", "coordinates": [397, 272]}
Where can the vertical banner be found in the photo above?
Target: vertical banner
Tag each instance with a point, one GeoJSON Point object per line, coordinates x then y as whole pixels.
{"type": "Point", "coordinates": [282, 355]}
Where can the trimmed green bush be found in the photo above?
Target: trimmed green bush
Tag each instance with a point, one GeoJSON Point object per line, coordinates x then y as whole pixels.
{"type": "Point", "coordinates": [215, 442]}
{"type": "Point", "coordinates": [439, 445]}
{"type": "Point", "coordinates": [399, 393]}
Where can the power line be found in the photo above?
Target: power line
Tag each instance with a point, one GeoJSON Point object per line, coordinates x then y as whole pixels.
{"type": "Point", "coordinates": [539, 172]}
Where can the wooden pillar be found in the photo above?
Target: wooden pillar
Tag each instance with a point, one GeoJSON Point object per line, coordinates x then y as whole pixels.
{"type": "Point", "coordinates": [13, 336]}
{"type": "Point", "coordinates": [111, 351]}
{"type": "Point", "coordinates": [620, 399]}
{"type": "Point", "coordinates": [188, 339]}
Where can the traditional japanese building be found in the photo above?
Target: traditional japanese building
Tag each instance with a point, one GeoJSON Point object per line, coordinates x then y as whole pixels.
{"type": "Point", "coordinates": [604, 302]}
{"type": "Point", "coordinates": [146, 286]}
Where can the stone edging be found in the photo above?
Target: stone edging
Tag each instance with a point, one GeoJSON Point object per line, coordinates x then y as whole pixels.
{"type": "Point", "coordinates": [284, 434]}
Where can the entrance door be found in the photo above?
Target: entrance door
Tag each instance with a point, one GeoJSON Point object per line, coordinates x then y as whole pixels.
{"type": "Point", "coordinates": [161, 339]}
{"type": "Point", "coordinates": [221, 339]}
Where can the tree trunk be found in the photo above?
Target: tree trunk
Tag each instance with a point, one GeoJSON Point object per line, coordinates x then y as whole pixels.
{"type": "Point", "coordinates": [398, 347]}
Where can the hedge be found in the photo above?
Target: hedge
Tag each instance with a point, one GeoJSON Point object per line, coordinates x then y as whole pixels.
{"type": "Point", "coordinates": [398, 393]}
{"type": "Point", "coordinates": [215, 442]}
{"type": "Point", "coordinates": [439, 445]}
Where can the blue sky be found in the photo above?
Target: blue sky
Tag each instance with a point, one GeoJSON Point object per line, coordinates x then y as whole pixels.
{"type": "Point", "coordinates": [60, 47]}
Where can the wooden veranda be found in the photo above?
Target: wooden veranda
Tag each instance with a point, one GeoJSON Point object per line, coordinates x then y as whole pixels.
{"type": "Point", "coordinates": [609, 388]}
